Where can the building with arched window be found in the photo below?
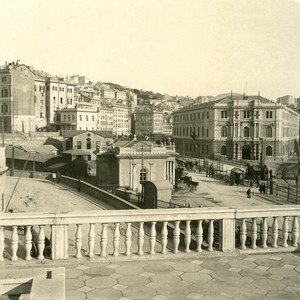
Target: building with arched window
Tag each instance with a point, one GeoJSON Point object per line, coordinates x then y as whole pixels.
{"type": "Point", "coordinates": [131, 163]}
{"type": "Point", "coordinates": [238, 127]}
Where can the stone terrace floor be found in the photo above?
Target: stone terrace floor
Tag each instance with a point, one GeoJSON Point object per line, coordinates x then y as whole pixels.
{"type": "Point", "coordinates": [263, 276]}
{"type": "Point", "coordinates": [257, 276]}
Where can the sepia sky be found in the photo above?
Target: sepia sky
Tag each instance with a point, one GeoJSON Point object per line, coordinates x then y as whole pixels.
{"type": "Point", "coordinates": [179, 47]}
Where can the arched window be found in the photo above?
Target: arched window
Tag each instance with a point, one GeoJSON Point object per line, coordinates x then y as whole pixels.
{"type": "Point", "coordinates": [269, 131]}
{"type": "Point", "coordinates": [88, 143]}
{"type": "Point", "coordinates": [143, 175]}
{"type": "Point", "coordinates": [246, 132]}
{"type": "Point", "coordinates": [224, 150]}
{"type": "Point", "coordinates": [224, 131]}
{"type": "Point", "coordinates": [269, 151]}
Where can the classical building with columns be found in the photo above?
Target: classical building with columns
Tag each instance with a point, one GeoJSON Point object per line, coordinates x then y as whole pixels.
{"type": "Point", "coordinates": [131, 163]}
{"type": "Point", "coordinates": [237, 127]}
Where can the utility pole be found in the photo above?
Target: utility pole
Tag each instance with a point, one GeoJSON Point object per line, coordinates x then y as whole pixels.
{"type": "Point", "coordinates": [13, 139]}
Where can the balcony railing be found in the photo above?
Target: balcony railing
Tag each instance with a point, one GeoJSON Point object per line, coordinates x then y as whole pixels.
{"type": "Point", "coordinates": [148, 232]}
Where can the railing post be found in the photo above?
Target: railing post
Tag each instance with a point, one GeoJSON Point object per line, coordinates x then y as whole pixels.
{"type": "Point", "coordinates": [14, 243]}
{"type": "Point", "coordinates": [116, 239]}
{"type": "Point", "coordinates": [28, 241]}
{"type": "Point", "coordinates": [295, 231]}
{"type": "Point", "coordinates": [210, 237]}
{"type": "Point", "coordinates": [199, 236]}
{"type": "Point", "coordinates": [41, 242]}
{"type": "Point", "coordinates": [91, 240]}
{"type": "Point", "coordinates": [254, 233]}
{"type": "Point", "coordinates": [59, 241]}
{"type": "Point", "coordinates": [164, 238]}
{"type": "Point", "coordinates": [141, 238]}
{"type": "Point", "coordinates": [285, 230]}
{"type": "Point", "coordinates": [103, 240]}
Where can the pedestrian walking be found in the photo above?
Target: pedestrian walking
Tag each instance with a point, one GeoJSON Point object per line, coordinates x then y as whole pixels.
{"type": "Point", "coordinates": [248, 193]}
{"type": "Point", "coordinates": [53, 178]}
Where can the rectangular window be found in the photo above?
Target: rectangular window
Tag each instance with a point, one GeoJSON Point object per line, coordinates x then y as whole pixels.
{"type": "Point", "coordinates": [80, 117]}
{"type": "Point", "coordinates": [73, 118]}
{"type": "Point", "coordinates": [65, 117]}
{"type": "Point", "coordinates": [4, 79]}
{"type": "Point", "coordinates": [78, 144]}
{"type": "Point", "coordinates": [53, 99]}
{"type": "Point", "coordinates": [69, 118]}
{"type": "Point", "coordinates": [269, 114]}
{"type": "Point", "coordinates": [224, 114]}
{"type": "Point", "coordinates": [86, 117]}
{"type": "Point", "coordinates": [40, 88]}
{"type": "Point", "coordinates": [207, 115]}
{"type": "Point", "coordinates": [93, 118]}
{"type": "Point", "coordinates": [246, 114]}
{"type": "Point", "coordinates": [61, 100]}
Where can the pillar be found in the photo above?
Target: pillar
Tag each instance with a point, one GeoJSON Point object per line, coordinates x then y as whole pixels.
{"type": "Point", "coordinates": [227, 235]}
{"type": "Point", "coordinates": [59, 242]}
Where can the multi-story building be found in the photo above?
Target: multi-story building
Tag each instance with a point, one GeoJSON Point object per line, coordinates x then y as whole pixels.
{"type": "Point", "coordinates": [239, 127]}
{"type": "Point", "coordinates": [120, 119]}
{"type": "Point", "coordinates": [108, 93]}
{"type": "Point", "coordinates": [287, 100]}
{"type": "Point", "coordinates": [148, 121]}
{"type": "Point", "coordinates": [40, 101]}
{"type": "Point", "coordinates": [59, 94]}
{"type": "Point", "coordinates": [120, 95]}
{"type": "Point", "coordinates": [17, 107]}
{"type": "Point", "coordinates": [82, 117]}
{"type": "Point", "coordinates": [105, 118]}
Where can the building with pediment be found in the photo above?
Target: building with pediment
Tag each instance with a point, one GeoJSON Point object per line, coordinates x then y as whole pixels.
{"type": "Point", "coordinates": [130, 163]}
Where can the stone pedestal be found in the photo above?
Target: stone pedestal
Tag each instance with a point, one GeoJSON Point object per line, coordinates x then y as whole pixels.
{"type": "Point", "coordinates": [227, 235]}
{"type": "Point", "coordinates": [59, 242]}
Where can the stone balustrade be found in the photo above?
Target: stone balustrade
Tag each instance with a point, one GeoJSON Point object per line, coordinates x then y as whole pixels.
{"type": "Point", "coordinates": [149, 232]}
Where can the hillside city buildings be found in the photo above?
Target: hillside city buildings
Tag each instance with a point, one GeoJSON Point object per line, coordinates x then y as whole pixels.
{"type": "Point", "coordinates": [231, 126]}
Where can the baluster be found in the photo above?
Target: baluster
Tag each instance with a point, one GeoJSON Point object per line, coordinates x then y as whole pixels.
{"type": "Point", "coordinates": [91, 240]}
{"type": "Point", "coordinates": [128, 235]}
{"type": "Point", "coordinates": [116, 239]}
{"type": "Point", "coordinates": [285, 230]}
{"type": "Point", "coordinates": [254, 233]}
{"type": "Point", "coordinates": [141, 239]}
{"type": "Point", "coordinates": [187, 236]}
{"type": "Point", "coordinates": [243, 234]}
{"type": "Point", "coordinates": [199, 236]}
{"type": "Point", "coordinates": [164, 238]}
{"type": "Point", "coordinates": [41, 242]}
{"type": "Point", "coordinates": [295, 232]}
{"type": "Point", "coordinates": [275, 232]}
{"type": "Point", "coordinates": [176, 236]}
{"type": "Point", "coordinates": [264, 233]}
{"type": "Point", "coordinates": [152, 239]}
{"type": "Point", "coordinates": [1, 243]}
{"type": "Point", "coordinates": [78, 241]}
{"type": "Point", "coordinates": [28, 242]}
{"type": "Point", "coordinates": [210, 238]}
{"type": "Point", "coordinates": [14, 243]}
{"type": "Point", "coordinates": [103, 240]}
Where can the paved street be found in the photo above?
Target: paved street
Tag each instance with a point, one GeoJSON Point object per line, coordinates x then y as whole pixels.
{"type": "Point", "coordinates": [213, 192]}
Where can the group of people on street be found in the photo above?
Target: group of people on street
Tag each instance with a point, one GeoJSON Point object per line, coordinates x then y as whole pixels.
{"type": "Point", "coordinates": [261, 187]}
